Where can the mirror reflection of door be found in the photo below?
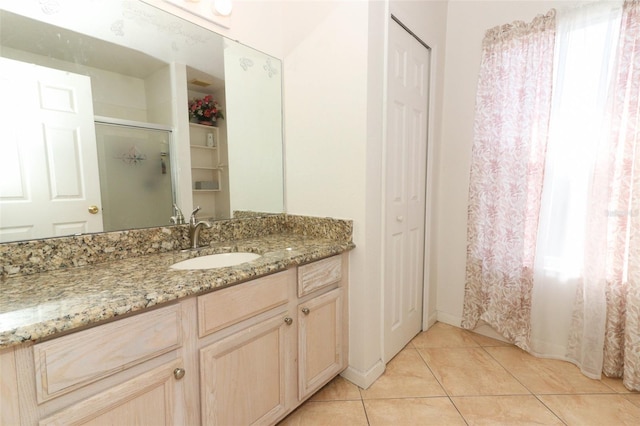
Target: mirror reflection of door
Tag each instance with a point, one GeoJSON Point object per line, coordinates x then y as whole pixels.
{"type": "Point", "coordinates": [135, 176]}
{"type": "Point", "coordinates": [48, 161]}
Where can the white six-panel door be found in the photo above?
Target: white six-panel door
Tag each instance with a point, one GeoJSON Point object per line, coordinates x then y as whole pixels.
{"type": "Point", "coordinates": [405, 176]}
{"type": "Point", "coordinates": [48, 160]}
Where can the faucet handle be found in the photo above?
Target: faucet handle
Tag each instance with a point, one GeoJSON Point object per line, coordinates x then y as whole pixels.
{"type": "Point", "coordinates": [178, 219]}
{"type": "Point", "coordinates": [193, 213]}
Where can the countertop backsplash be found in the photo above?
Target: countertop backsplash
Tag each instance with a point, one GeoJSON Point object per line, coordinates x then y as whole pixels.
{"type": "Point", "coordinates": [50, 254]}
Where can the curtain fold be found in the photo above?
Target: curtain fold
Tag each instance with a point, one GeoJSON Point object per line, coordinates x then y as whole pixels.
{"type": "Point", "coordinates": [553, 236]}
{"type": "Point", "coordinates": [622, 335]}
{"type": "Point", "coordinates": [510, 136]}
{"type": "Point", "coordinates": [574, 199]}
{"type": "Point", "coordinates": [611, 275]}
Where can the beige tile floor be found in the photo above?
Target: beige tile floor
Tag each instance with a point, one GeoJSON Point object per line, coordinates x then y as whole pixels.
{"type": "Point", "coordinates": [450, 376]}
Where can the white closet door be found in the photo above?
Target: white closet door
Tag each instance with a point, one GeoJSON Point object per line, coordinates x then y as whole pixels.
{"type": "Point", "coordinates": [406, 160]}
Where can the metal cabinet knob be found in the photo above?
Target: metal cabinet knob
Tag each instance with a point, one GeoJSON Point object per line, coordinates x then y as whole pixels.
{"type": "Point", "coordinates": [178, 373]}
{"type": "Point", "coordinates": [288, 320]}
{"type": "Point", "coordinates": [93, 209]}
{"type": "Point", "coordinates": [305, 311]}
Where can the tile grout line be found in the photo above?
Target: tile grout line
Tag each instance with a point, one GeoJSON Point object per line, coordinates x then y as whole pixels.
{"type": "Point", "coordinates": [364, 407]}
{"type": "Point", "coordinates": [442, 386]}
{"type": "Point", "coordinates": [549, 408]}
{"type": "Point", "coordinates": [523, 385]}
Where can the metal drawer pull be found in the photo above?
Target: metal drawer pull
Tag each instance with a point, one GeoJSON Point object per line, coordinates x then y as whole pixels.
{"type": "Point", "coordinates": [178, 373]}
{"type": "Point", "coordinates": [305, 311]}
{"type": "Point", "coordinates": [288, 320]}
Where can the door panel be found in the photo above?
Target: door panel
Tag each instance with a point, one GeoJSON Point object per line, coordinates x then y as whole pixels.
{"type": "Point", "coordinates": [53, 143]}
{"type": "Point", "coordinates": [406, 159]}
{"type": "Point", "coordinates": [320, 351]}
{"type": "Point", "coordinates": [244, 377]}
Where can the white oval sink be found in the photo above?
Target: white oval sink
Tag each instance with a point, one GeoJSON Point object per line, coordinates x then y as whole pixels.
{"type": "Point", "coordinates": [219, 260]}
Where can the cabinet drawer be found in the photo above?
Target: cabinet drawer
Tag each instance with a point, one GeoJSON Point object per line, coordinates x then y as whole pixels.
{"type": "Point", "coordinates": [226, 307]}
{"type": "Point", "coordinates": [146, 399]}
{"type": "Point", "coordinates": [316, 275]}
{"type": "Point", "coordinates": [72, 361]}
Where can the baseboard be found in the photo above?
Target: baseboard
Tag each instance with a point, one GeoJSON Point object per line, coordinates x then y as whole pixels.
{"type": "Point", "coordinates": [447, 318]}
{"type": "Point", "coordinates": [431, 320]}
{"type": "Point", "coordinates": [364, 379]}
{"type": "Point", "coordinates": [486, 330]}
{"type": "Point", "coordinates": [482, 328]}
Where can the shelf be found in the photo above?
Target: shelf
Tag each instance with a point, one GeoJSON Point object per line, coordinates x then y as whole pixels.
{"type": "Point", "coordinates": [206, 168]}
{"type": "Point", "coordinates": [204, 147]}
{"type": "Point", "coordinates": [202, 126]}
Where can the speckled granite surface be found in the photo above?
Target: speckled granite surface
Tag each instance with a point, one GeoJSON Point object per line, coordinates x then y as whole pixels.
{"type": "Point", "coordinates": [40, 305]}
{"type": "Point", "coordinates": [37, 305]}
{"type": "Point", "coordinates": [50, 254]}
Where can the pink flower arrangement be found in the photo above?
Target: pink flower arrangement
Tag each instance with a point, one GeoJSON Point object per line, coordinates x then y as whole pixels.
{"type": "Point", "coordinates": [205, 109]}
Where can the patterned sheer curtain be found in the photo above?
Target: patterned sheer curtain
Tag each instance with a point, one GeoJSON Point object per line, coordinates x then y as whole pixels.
{"type": "Point", "coordinates": [553, 259]}
{"type": "Point", "coordinates": [568, 259]}
{"type": "Point", "coordinates": [507, 169]}
{"type": "Point", "coordinates": [620, 228]}
{"type": "Point", "coordinates": [587, 253]}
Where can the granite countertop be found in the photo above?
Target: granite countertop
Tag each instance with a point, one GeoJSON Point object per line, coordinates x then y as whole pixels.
{"type": "Point", "coordinates": [33, 307]}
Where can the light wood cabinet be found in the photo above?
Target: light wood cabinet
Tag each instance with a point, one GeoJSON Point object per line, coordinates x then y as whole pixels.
{"type": "Point", "coordinates": [245, 378]}
{"type": "Point", "coordinates": [320, 341]}
{"type": "Point", "coordinates": [224, 308]}
{"type": "Point", "coordinates": [9, 396]}
{"type": "Point", "coordinates": [128, 371]}
{"type": "Point", "coordinates": [148, 399]}
{"type": "Point", "coordinates": [318, 275]}
{"type": "Point", "coordinates": [72, 361]}
{"type": "Point", "coordinates": [262, 368]}
{"type": "Point", "coordinates": [252, 353]}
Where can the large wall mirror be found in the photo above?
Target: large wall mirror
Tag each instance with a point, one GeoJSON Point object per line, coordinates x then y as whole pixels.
{"type": "Point", "coordinates": [97, 134]}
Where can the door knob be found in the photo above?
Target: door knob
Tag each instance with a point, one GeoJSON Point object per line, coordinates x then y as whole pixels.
{"type": "Point", "coordinates": [93, 209]}
{"type": "Point", "coordinates": [305, 311]}
{"type": "Point", "coordinates": [400, 218]}
{"type": "Point", "coordinates": [178, 373]}
{"type": "Point", "coordinates": [288, 320]}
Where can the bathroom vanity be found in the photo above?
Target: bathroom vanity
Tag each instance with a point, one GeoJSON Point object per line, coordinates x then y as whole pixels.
{"type": "Point", "coordinates": [237, 345]}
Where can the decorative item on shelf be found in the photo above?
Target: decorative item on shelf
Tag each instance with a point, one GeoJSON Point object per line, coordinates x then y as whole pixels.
{"type": "Point", "coordinates": [205, 111]}
{"type": "Point", "coordinates": [207, 184]}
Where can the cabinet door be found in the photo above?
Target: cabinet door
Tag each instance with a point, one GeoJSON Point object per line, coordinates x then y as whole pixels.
{"type": "Point", "coordinates": [320, 332]}
{"type": "Point", "coordinates": [244, 378]}
{"type": "Point", "coordinates": [148, 399]}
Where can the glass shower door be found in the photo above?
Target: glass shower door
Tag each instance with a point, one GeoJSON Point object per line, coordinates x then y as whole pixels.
{"type": "Point", "coordinates": [135, 176]}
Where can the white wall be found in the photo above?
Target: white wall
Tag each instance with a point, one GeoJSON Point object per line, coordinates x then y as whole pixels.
{"type": "Point", "coordinates": [158, 97]}
{"type": "Point", "coordinates": [113, 94]}
{"type": "Point", "coordinates": [325, 98]}
{"type": "Point", "coordinates": [334, 109]}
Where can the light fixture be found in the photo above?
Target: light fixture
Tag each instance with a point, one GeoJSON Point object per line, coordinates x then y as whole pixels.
{"type": "Point", "coordinates": [222, 7]}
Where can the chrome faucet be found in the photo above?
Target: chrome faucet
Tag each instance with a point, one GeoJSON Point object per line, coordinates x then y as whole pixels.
{"type": "Point", "coordinates": [178, 219]}
{"type": "Point", "coordinates": [194, 228]}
